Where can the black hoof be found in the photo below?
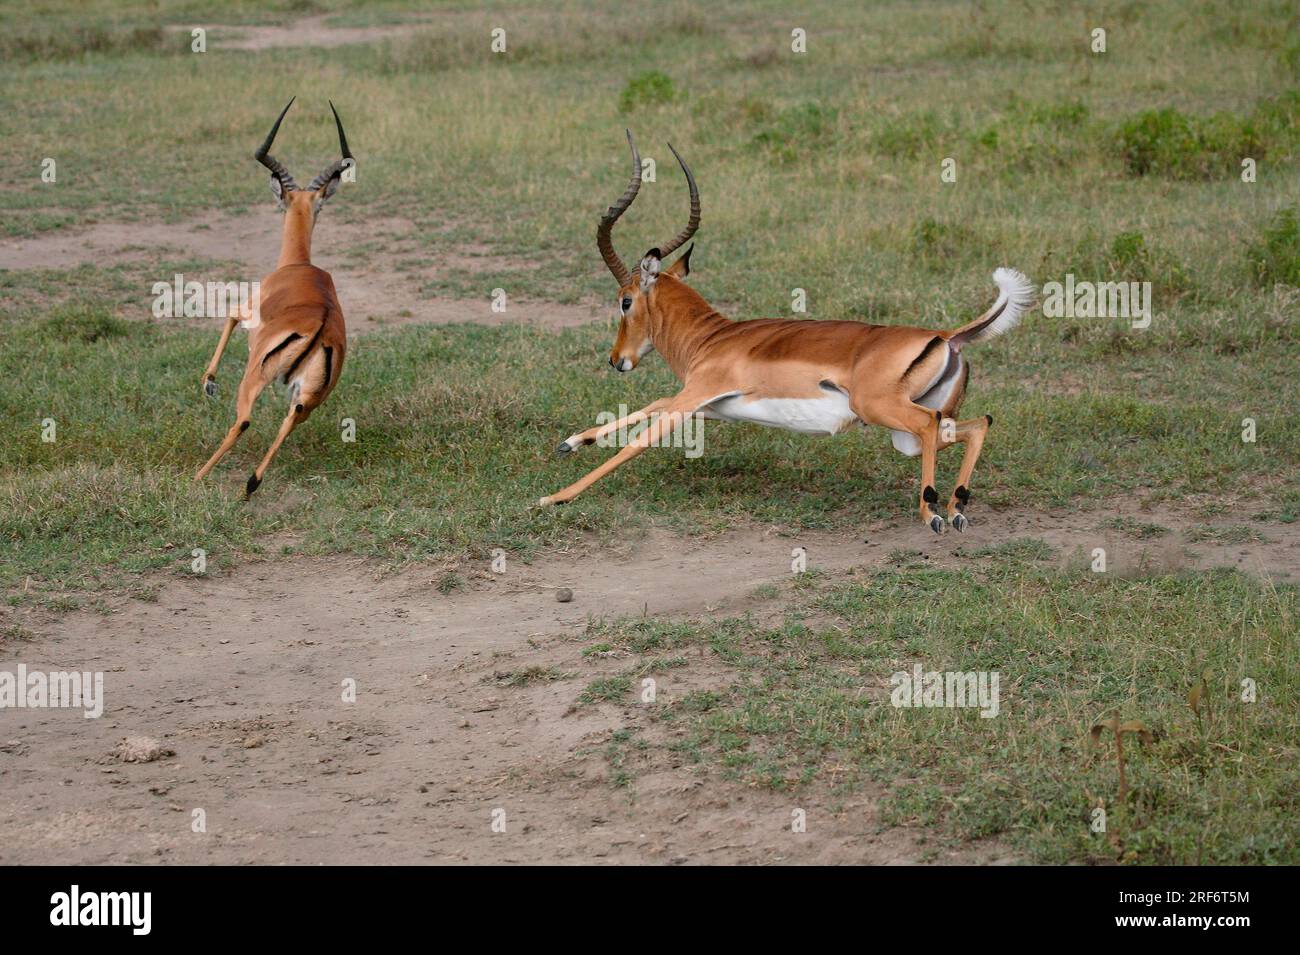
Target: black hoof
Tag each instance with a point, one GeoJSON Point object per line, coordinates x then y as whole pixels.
{"type": "Point", "coordinates": [564, 448]}
{"type": "Point", "coordinates": [959, 522]}
{"type": "Point", "coordinates": [253, 484]}
{"type": "Point", "coordinates": [936, 524]}
{"type": "Point", "coordinates": [210, 388]}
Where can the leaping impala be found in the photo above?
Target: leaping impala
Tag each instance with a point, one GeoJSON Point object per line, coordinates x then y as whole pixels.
{"type": "Point", "coordinates": [815, 377]}
{"type": "Point", "coordinates": [300, 337]}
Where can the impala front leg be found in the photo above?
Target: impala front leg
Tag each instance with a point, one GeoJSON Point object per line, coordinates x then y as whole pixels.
{"type": "Point", "coordinates": [662, 425]}
{"type": "Point", "coordinates": [592, 435]}
{"type": "Point", "coordinates": [210, 373]}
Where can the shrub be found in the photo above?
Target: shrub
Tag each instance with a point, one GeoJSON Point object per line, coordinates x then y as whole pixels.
{"type": "Point", "coordinates": [1061, 114]}
{"type": "Point", "coordinates": [646, 89]}
{"type": "Point", "coordinates": [937, 242]}
{"type": "Point", "coordinates": [1275, 255]}
{"type": "Point", "coordinates": [796, 129]}
{"type": "Point", "coordinates": [87, 323]}
{"type": "Point", "coordinates": [907, 136]}
{"type": "Point", "coordinates": [1168, 143]}
{"type": "Point", "coordinates": [61, 41]}
{"type": "Point", "coordinates": [1130, 249]}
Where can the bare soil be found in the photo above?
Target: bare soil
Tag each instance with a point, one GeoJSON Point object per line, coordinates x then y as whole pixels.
{"type": "Point", "coordinates": [240, 678]}
{"type": "Point", "coordinates": [374, 293]}
{"type": "Point", "coordinates": [309, 31]}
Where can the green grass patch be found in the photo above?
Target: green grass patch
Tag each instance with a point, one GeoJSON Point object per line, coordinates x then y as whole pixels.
{"type": "Point", "coordinates": [650, 88]}
{"type": "Point", "coordinates": [1227, 534]}
{"type": "Point", "coordinates": [1131, 527]}
{"type": "Point", "coordinates": [811, 704]}
{"type": "Point", "coordinates": [611, 689]}
{"type": "Point", "coordinates": [1275, 255]}
{"type": "Point", "coordinates": [1166, 142]}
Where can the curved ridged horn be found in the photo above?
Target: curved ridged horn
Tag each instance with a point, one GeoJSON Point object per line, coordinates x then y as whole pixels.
{"type": "Point", "coordinates": [603, 241]}
{"type": "Point", "coordinates": [694, 222]}
{"type": "Point", "coordinates": [263, 155]}
{"type": "Point", "coordinates": [336, 168]}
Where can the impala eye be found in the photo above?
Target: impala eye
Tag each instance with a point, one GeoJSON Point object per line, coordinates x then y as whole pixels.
{"type": "Point", "coordinates": [627, 304]}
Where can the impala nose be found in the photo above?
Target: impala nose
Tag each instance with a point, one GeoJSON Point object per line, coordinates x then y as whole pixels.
{"type": "Point", "coordinates": [624, 364]}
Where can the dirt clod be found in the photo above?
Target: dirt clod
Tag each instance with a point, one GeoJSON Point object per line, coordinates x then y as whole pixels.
{"type": "Point", "coordinates": [141, 749]}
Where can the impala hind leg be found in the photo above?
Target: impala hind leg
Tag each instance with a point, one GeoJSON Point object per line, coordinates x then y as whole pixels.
{"type": "Point", "coordinates": [210, 373]}
{"type": "Point", "coordinates": [923, 424]}
{"type": "Point", "coordinates": [662, 425]}
{"type": "Point", "coordinates": [297, 415]}
{"type": "Point", "coordinates": [970, 433]}
{"type": "Point", "coordinates": [591, 435]}
{"type": "Point", "coordinates": [249, 389]}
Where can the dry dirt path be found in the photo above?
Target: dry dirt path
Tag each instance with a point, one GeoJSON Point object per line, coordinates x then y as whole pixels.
{"type": "Point", "coordinates": [241, 677]}
{"type": "Point", "coordinates": [313, 31]}
{"type": "Point", "coordinates": [374, 293]}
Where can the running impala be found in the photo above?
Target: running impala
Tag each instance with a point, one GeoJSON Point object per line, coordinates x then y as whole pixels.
{"type": "Point", "coordinates": [813, 377]}
{"type": "Point", "coordinates": [298, 334]}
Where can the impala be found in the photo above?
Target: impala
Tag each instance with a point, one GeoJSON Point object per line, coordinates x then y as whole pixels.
{"type": "Point", "coordinates": [298, 337]}
{"type": "Point", "coordinates": [814, 377]}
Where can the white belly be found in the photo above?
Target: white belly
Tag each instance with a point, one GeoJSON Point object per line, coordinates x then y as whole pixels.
{"type": "Point", "coordinates": [827, 414]}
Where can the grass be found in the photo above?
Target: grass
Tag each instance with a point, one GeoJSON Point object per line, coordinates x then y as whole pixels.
{"type": "Point", "coordinates": [646, 89]}
{"type": "Point", "coordinates": [606, 690]}
{"type": "Point", "coordinates": [1275, 254]}
{"type": "Point", "coordinates": [1231, 534]}
{"type": "Point", "coordinates": [805, 707]}
{"type": "Point", "coordinates": [815, 175]}
{"type": "Point", "coordinates": [1139, 530]}
{"type": "Point", "coordinates": [818, 172]}
{"type": "Point", "coordinates": [528, 676]}
{"type": "Point", "coordinates": [450, 466]}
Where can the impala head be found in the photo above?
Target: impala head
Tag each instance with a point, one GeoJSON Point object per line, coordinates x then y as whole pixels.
{"type": "Point", "coordinates": [293, 196]}
{"type": "Point", "coordinates": [635, 288]}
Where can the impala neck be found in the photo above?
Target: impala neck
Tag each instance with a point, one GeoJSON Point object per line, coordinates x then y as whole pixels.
{"type": "Point", "coordinates": [680, 323]}
{"type": "Point", "coordinates": [295, 244]}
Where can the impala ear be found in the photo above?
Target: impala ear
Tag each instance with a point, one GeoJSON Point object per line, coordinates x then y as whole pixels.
{"type": "Point", "coordinates": [650, 266]}
{"type": "Point", "coordinates": [327, 190]}
{"type": "Point", "coordinates": [277, 187]}
{"type": "Point", "coordinates": [682, 267]}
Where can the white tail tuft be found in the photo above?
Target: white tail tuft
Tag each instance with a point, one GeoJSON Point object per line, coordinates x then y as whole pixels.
{"type": "Point", "coordinates": [1016, 296]}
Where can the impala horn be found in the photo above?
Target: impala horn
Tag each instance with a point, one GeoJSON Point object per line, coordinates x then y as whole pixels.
{"type": "Point", "coordinates": [336, 168]}
{"type": "Point", "coordinates": [694, 222]}
{"type": "Point", "coordinates": [263, 155]}
{"type": "Point", "coordinates": [603, 241]}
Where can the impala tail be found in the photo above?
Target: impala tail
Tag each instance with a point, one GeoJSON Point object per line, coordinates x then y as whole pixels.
{"type": "Point", "coordinates": [1015, 298]}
